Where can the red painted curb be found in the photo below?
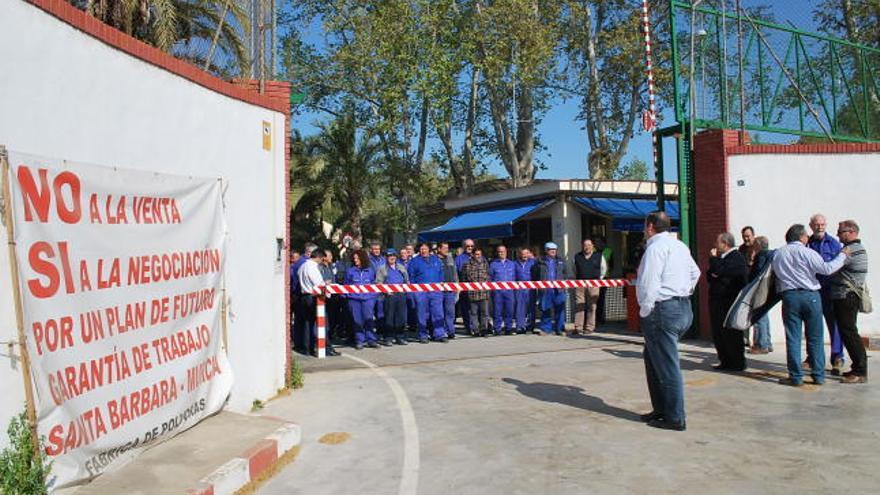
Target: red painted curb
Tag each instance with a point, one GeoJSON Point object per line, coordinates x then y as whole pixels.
{"type": "Point", "coordinates": [245, 468]}
{"type": "Point", "coordinates": [261, 456]}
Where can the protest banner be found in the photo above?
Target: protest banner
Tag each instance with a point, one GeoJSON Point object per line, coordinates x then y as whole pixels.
{"type": "Point", "coordinates": [120, 278]}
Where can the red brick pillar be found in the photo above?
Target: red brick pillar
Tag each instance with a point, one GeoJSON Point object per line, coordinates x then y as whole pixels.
{"type": "Point", "coordinates": [711, 194]}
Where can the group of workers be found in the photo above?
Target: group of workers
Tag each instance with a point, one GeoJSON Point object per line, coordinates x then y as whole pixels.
{"type": "Point", "coordinates": [383, 319]}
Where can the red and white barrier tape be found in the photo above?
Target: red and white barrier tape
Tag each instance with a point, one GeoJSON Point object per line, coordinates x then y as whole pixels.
{"type": "Point", "coordinates": [321, 322]}
{"type": "Point", "coordinates": [470, 286]}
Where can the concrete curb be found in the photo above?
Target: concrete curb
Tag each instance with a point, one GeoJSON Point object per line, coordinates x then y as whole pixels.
{"type": "Point", "coordinates": [240, 471]}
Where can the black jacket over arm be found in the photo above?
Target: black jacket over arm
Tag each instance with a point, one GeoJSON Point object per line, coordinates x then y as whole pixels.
{"type": "Point", "coordinates": [727, 276]}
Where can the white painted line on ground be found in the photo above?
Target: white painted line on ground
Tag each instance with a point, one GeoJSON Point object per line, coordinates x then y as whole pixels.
{"type": "Point", "coordinates": [409, 480]}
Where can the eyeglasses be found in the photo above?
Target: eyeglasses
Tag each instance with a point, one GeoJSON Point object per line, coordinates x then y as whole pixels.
{"type": "Point", "coordinates": [844, 231]}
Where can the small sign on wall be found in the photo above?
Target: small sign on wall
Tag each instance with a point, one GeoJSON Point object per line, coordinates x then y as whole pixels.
{"type": "Point", "coordinates": [267, 135]}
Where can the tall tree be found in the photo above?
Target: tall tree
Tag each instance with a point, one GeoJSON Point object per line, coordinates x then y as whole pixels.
{"type": "Point", "coordinates": [604, 51]}
{"type": "Point", "coordinates": [371, 57]}
{"type": "Point", "coordinates": [514, 44]}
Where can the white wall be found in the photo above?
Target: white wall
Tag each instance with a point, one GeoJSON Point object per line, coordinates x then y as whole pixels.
{"type": "Point", "coordinates": [783, 189]}
{"type": "Point", "coordinates": [65, 94]}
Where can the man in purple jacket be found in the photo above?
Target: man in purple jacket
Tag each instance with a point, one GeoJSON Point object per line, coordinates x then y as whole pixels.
{"type": "Point", "coordinates": [828, 247]}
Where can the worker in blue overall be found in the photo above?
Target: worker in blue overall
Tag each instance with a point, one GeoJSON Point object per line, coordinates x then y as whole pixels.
{"type": "Point", "coordinates": [502, 269]}
{"type": "Point", "coordinates": [551, 267]}
{"type": "Point", "coordinates": [362, 306]}
{"type": "Point", "coordinates": [525, 298]}
{"type": "Point", "coordinates": [377, 260]}
{"type": "Point", "coordinates": [464, 307]}
{"type": "Point", "coordinates": [450, 274]}
{"type": "Point", "coordinates": [428, 269]}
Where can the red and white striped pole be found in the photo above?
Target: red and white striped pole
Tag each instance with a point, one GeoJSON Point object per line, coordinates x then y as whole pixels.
{"type": "Point", "coordinates": [321, 323]}
{"type": "Point", "coordinates": [649, 118]}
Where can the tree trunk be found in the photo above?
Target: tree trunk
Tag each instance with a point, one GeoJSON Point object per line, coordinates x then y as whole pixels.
{"type": "Point", "coordinates": [503, 140]}
{"type": "Point", "coordinates": [852, 30]}
{"type": "Point", "coordinates": [423, 133]}
{"type": "Point", "coordinates": [525, 136]}
{"type": "Point", "coordinates": [470, 122]}
{"type": "Point", "coordinates": [600, 157]}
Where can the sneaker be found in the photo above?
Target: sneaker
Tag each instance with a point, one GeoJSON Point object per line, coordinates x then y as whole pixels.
{"type": "Point", "coordinates": [400, 341]}
{"type": "Point", "coordinates": [386, 343]}
{"type": "Point", "coordinates": [423, 341]}
{"type": "Point", "coordinates": [836, 367]}
{"type": "Point", "coordinates": [855, 379]}
{"type": "Point", "coordinates": [358, 347]}
{"type": "Point", "coordinates": [373, 345]}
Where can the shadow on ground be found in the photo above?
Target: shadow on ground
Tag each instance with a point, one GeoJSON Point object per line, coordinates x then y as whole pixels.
{"type": "Point", "coordinates": [692, 360]}
{"type": "Point", "coordinates": [570, 395]}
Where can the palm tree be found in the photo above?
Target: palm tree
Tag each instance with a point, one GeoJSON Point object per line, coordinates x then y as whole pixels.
{"type": "Point", "coordinates": [186, 28]}
{"type": "Point", "coordinates": [344, 175]}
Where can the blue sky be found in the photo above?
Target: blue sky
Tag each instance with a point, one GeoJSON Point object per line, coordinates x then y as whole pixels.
{"type": "Point", "coordinates": [563, 136]}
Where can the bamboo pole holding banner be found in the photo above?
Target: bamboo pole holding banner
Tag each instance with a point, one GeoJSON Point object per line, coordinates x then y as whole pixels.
{"type": "Point", "coordinates": [19, 313]}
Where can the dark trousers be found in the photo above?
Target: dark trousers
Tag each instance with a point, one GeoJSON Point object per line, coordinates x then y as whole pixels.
{"type": "Point", "coordinates": [464, 308]}
{"type": "Point", "coordinates": [728, 342]}
{"type": "Point", "coordinates": [600, 306]}
{"type": "Point", "coordinates": [662, 329]}
{"type": "Point", "coordinates": [846, 312]}
{"type": "Point", "coordinates": [479, 316]}
{"type": "Point", "coordinates": [308, 331]}
{"type": "Point", "coordinates": [395, 316]}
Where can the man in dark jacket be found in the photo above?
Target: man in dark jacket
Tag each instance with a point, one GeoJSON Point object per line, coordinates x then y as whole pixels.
{"type": "Point", "coordinates": [551, 267]}
{"type": "Point", "coordinates": [588, 265]}
{"type": "Point", "coordinates": [727, 275]}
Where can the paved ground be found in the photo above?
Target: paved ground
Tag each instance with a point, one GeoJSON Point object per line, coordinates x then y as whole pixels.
{"type": "Point", "coordinates": [545, 414]}
{"type": "Point", "coordinates": [178, 464]}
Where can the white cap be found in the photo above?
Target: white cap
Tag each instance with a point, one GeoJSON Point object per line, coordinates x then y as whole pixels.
{"type": "Point", "coordinates": [551, 245]}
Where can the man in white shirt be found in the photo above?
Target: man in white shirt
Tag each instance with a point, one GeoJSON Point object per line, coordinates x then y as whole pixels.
{"type": "Point", "coordinates": [310, 278]}
{"type": "Point", "coordinates": [666, 279]}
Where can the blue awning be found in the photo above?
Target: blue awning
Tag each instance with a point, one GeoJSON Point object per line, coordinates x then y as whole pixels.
{"type": "Point", "coordinates": [627, 214]}
{"type": "Point", "coordinates": [495, 222]}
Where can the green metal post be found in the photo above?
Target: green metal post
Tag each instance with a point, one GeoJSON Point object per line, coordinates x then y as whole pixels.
{"type": "Point", "coordinates": [659, 174]}
{"type": "Point", "coordinates": [684, 197]}
{"type": "Point", "coordinates": [864, 66]}
{"type": "Point", "coordinates": [722, 70]}
{"type": "Point", "coordinates": [676, 83]}
{"type": "Point", "coordinates": [831, 51]}
{"type": "Point", "coordinates": [797, 80]}
{"type": "Point", "coordinates": [764, 118]}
